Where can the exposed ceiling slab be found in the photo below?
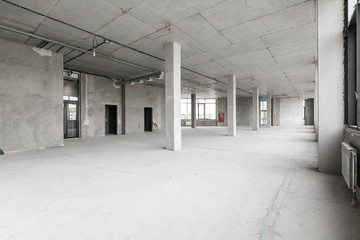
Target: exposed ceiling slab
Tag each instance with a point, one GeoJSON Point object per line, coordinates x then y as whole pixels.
{"type": "Point", "coordinates": [271, 44]}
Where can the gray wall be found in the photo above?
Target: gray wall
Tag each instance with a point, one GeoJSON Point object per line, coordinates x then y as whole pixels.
{"type": "Point", "coordinates": [96, 92]}
{"type": "Point", "coordinates": [276, 111]}
{"type": "Point", "coordinates": [291, 112]}
{"type": "Point", "coordinates": [31, 97]}
{"type": "Point", "coordinates": [244, 111]}
{"type": "Point", "coordinates": [139, 96]}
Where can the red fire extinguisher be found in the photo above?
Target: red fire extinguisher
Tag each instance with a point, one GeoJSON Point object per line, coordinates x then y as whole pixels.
{"type": "Point", "coordinates": [221, 117]}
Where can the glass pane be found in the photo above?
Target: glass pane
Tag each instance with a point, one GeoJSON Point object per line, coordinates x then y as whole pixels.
{"type": "Point", "coordinates": [71, 112]}
{"type": "Point", "coordinates": [263, 117]}
{"type": "Point", "coordinates": [210, 100]}
{"type": "Point", "coordinates": [351, 8]}
{"type": "Point", "coordinates": [200, 100]}
{"type": "Point", "coordinates": [263, 105]}
{"type": "Point", "coordinates": [210, 111]}
{"type": "Point", "coordinates": [184, 111]}
{"type": "Point", "coordinates": [184, 100]}
{"type": "Point", "coordinates": [201, 111]}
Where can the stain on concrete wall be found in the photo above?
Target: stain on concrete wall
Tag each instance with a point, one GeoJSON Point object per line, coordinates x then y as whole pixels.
{"type": "Point", "coordinates": [31, 97]}
{"type": "Point", "coordinates": [96, 92]}
{"type": "Point", "coordinates": [138, 97]}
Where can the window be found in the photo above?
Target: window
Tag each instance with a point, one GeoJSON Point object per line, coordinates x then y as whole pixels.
{"type": "Point", "coordinates": [352, 62]}
{"type": "Point", "coordinates": [185, 108]}
{"type": "Point", "coordinates": [205, 108]}
{"type": "Point", "coordinates": [263, 112]}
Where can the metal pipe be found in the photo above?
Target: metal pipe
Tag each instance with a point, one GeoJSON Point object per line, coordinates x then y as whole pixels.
{"type": "Point", "coordinates": [123, 45]}
{"type": "Point", "coordinates": [75, 48]}
{"type": "Point", "coordinates": [79, 55]}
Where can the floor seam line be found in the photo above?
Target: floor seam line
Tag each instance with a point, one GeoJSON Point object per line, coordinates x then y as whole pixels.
{"type": "Point", "coordinates": [271, 215]}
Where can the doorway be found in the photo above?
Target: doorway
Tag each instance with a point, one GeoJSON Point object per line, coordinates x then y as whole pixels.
{"type": "Point", "coordinates": [71, 120]}
{"type": "Point", "coordinates": [110, 119]}
{"type": "Point", "coordinates": [71, 105]}
{"type": "Point", "coordinates": [148, 119]}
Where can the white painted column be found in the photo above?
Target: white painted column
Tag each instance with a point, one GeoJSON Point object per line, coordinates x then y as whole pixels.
{"type": "Point", "coordinates": [172, 95]}
{"type": "Point", "coordinates": [193, 110]}
{"type": "Point", "coordinates": [268, 106]}
{"type": "Point", "coordinates": [255, 108]}
{"type": "Point", "coordinates": [331, 84]}
{"type": "Point", "coordinates": [231, 105]}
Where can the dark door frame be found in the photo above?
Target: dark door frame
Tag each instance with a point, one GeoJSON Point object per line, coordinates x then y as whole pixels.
{"type": "Point", "coordinates": [66, 102]}
{"type": "Point", "coordinates": [112, 121]}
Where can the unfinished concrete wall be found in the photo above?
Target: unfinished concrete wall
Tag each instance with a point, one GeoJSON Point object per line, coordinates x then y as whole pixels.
{"type": "Point", "coordinates": [330, 84]}
{"type": "Point", "coordinates": [243, 111]}
{"type": "Point", "coordinates": [96, 92]}
{"type": "Point", "coordinates": [276, 111]}
{"type": "Point", "coordinates": [139, 96]}
{"type": "Point", "coordinates": [31, 97]}
{"type": "Point", "coordinates": [291, 112]}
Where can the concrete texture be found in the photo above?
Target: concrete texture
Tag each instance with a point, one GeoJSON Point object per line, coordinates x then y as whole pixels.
{"type": "Point", "coordinates": [331, 84]}
{"type": "Point", "coordinates": [243, 111]}
{"type": "Point", "coordinates": [291, 112]}
{"type": "Point", "coordinates": [276, 112]}
{"type": "Point", "coordinates": [231, 104]}
{"type": "Point", "coordinates": [139, 96]}
{"type": "Point", "coordinates": [173, 95]}
{"type": "Point", "coordinates": [268, 107]}
{"type": "Point", "coordinates": [273, 42]}
{"type": "Point", "coordinates": [96, 92]}
{"type": "Point", "coordinates": [129, 187]}
{"type": "Point", "coordinates": [309, 112]}
{"type": "Point", "coordinates": [255, 108]}
{"type": "Point", "coordinates": [31, 97]}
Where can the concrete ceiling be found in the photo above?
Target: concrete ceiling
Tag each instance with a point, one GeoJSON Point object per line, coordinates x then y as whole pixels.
{"type": "Point", "coordinates": [267, 43]}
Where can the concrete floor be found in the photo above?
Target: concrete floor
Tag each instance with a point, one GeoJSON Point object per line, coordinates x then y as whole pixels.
{"type": "Point", "coordinates": [258, 185]}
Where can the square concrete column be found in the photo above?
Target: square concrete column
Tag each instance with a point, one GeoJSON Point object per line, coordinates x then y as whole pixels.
{"type": "Point", "coordinates": [231, 105]}
{"type": "Point", "coordinates": [330, 84]}
{"type": "Point", "coordinates": [255, 108]}
{"type": "Point", "coordinates": [268, 107]}
{"type": "Point", "coordinates": [172, 95]}
{"type": "Point", "coordinates": [193, 110]}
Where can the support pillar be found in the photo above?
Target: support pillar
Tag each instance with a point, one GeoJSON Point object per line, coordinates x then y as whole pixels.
{"type": "Point", "coordinates": [330, 84]}
{"type": "Point", "coordinates": [268, 107]}
{"type": "Point", "coordinates": [255, 108]}
{"type": "Point", "coordinates": [193, 110]}
{"type": "Point", "coordinates": [231, 105]}
{"type": "Point", "coordinates": [172, 95]}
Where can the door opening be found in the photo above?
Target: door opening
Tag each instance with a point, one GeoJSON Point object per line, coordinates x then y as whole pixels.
{"type": "Point", "coordinates": [71, 105]}
{"type": "Point", "coordinates": [148, 119]}
{"type": "Point", "coordinates": [110, 119]}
